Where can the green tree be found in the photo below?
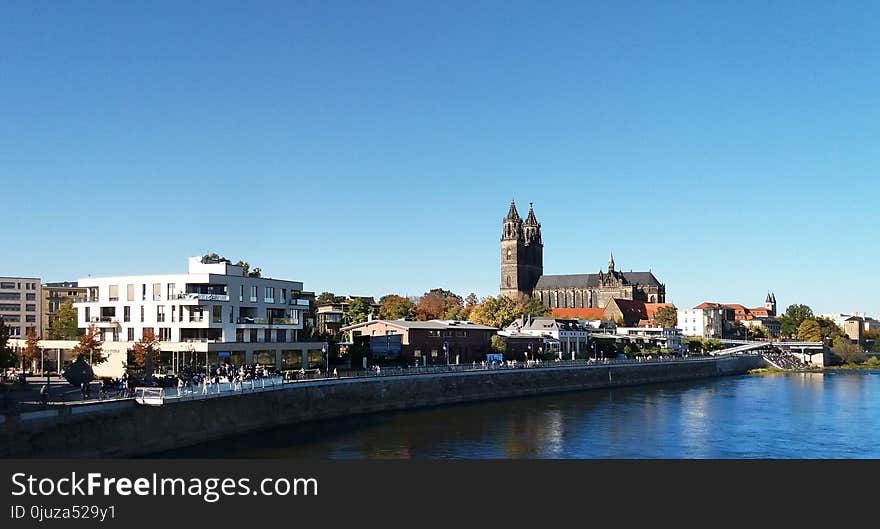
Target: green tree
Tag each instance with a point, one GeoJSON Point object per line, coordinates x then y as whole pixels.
{"type": "Point", "coordinates": [440, 304]}
{"type": "Point", "coordinates": [667, 317]}
{"type": "Point", "coordinates": [498, 343]}
{"type": "Point", "coordinates": [829, 331]}
{"type": "Point", "coordinates": [849, 352]}
{"type": "Point", "coordinates": [8, 358]}
{"type": "Point", "coordinates": [794, 316]}
{"type": "Point", "coordinates": [757, 331]}
{"type": "Point", "coordinates": [809, 331]}
{"type": "Point", "coordinates": [90, 348]}
{"type": "Point", "coordinates": [394, 307]}
{"type": "Point", "coordinates": [358, 310]}
{"type": "Point", "coordinates": [246, 267]}
{"type": "Point", "coordinates": [63, 326]}
{"type": "Point", "coordinates": [328, 297]}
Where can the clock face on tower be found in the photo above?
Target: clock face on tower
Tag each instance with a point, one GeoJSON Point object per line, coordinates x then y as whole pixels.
{"type": "Point", "coordinates": [509, 253]}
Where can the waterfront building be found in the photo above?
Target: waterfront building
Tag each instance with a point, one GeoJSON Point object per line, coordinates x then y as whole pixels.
{"type": "Point", "coordinates": [733, 313]}
{"type": "Point", "coordinates": [211, 314]}
{"type": "Point", "coordinates": [20, 305]}
{"type": "Point", "coordinates": [429, 342]}
{"type": "Point", "coordinates": [853, 327]}
{"type": "Point", "coordinates": [661, 337]}
{"type": "Point", "coordinates": [54, 295]}
{"type": "Point", "coordinates": [522, 272]}
{"type": "Point", "coordinates": [330, 317]}
{"type": "Point", "coordinates": [572, 335]}
{"type": "Point", "coordinates": [705, 323]}
{"type": "Point", "coordinates": [632, 313]}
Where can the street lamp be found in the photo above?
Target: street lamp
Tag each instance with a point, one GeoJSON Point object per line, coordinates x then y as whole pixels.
{"type": "Point", "coordinates": [325, 350]}
{"type": "Point", "coordinates": [446, 351]}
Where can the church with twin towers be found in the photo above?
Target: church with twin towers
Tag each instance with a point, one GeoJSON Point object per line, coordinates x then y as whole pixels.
{"type": "Point", "coordinates": [522, 272]}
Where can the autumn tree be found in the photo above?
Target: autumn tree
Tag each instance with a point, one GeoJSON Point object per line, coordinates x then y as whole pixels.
{"type": "Point", "coordinates": [502, 311]}
{"type": "Point", "coordinates": [141, 347]}
{"type": "Point", "coordinates": [666, 317]}
{"type": "Point", "coordinates": [90, 346]}
{"type": "Point", "coordinates": [32, 351]}
{"type": "Point", "coordinates": [809, 331]}
{"type": "Point", "coordinates": [829, 331]}
{"type": "Point", "coordinates": [394, 307]}
{"type": "Point", "coordinates": [63, 325]}
{"type": "Point", "coordinates": [440, 304]}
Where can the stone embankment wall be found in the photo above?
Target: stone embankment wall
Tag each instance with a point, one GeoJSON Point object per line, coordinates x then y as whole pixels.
{"type": "Point", "coordinates": [125, 429]}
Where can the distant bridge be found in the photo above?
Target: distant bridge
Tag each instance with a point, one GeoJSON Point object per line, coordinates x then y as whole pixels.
{"type": "Point", "coordinates": [783, 355]}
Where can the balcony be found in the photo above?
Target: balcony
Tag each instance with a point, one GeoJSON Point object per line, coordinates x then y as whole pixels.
{"type": "Point", "coordinates": [104, 322]}
{"type": "Point", "coordinates": [86, 299]}
{"type": "Point", "coordinates": [194, 296]}
{"type": "Point", "coordinates": [267, 321]}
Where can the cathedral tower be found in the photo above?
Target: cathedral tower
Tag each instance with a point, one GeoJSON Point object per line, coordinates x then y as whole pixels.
{"type": "Point", "coordinates": [770, 304]}
{"type": "Point", "coordinates": [522, 253]}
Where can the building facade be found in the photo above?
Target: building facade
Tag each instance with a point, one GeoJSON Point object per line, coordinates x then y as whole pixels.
{"type": "Point", "coordinates": [706, 323]}
{"type": "Point", "coordinates": [408, 342]}
{"type": "Point", "coordinates": [213, 310]}
{"type": "Point", "coordinates": [522, 272]}
{"type": "Point", "coordinates": [20, 299]}
{"type": "Point", "coordinates": [572, 335]}
{"type": "Point", "coordinates": [57, 294]}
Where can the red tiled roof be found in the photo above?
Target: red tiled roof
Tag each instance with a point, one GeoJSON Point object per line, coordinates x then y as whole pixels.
{"type": "Point", "coordinates": [583, 313]}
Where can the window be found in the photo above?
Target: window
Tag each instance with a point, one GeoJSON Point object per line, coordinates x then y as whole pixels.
{"type": "Point", "coordinates": [130, 334]}
{"type": "Point", "coordinates": [53, 306]}
{"type": "Point", "coordinates": [283, 295]}
{"type": "Point", "coordinates": [30, 319]}
{"type": "Point", "coordinates": [239, 335]}
{"type": "Point", "coordinates": [270, 295]}
{"type": "Point", "coordinates": [165, 334]}
{"type": "Point", "coordinates": [7, 284]}
{"type": "Point", "coordinates": [30, 308]}
{"type": "Point", "coordinates": [88, 314]}
{"type": "Point", "coordinates": [172, 288]}
{"type": "Point", "coordinates": [9, 296]}
{"type": "Point", "coordinates": [231, 314]}
{"type": "Point", "coordinates": [126, 313]}
{"type": "Point", "coordinates": [253, 335]}
{"type": "Point", "coordinates": [157, 291]}
{"type": "Point", "coordinates": [114, 292]}
{"type": "Point", "coordinates": [129, 292]}
{"type": "Point", "coordinates": [434, 333]}
{"type": "Point", "coordinates": [142, 313]}
{"type": "Point", "coordinates": [267, 335]}
{"type": "Point", "coordinates": [241, 292]}
{"type": "Point", "coordinates": [281, 335]}
{"type": "Point", "coordinates": [216, 314]}
{"type": "Point", "coordinates": [30, 297]}
{"type": "Point", "coordinates": [143, 292]}
{"type": "Point", "coordinates": [160, 313]}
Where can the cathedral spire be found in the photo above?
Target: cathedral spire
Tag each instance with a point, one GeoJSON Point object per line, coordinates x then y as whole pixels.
{"type": "Point", "coordinates": [531, 220]}
{"type": "Point", "coordinates": [512, 213]}
{"type": "Point", "coordinates": [611, 263]}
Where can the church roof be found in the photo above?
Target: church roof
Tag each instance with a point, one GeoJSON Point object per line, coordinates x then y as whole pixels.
{"type": "Point", "coordinates": [553, 282]}
{"type": "Point", "coordinates": [595, 313]}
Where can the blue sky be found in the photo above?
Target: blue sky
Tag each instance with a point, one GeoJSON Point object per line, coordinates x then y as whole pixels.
{"type": "Point", "coordinates": [368, 148]}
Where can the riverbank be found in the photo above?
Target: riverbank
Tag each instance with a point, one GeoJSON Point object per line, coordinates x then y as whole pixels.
{"type": "Point", "coordinates": [125, 429]}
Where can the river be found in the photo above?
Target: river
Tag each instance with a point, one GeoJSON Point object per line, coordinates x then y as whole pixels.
{"type": "Point", "coordinates": [832, 414]}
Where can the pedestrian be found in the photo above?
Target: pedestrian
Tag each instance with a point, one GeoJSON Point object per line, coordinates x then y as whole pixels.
{"type": "Point", "coordinates": [179, 386]}
{"type": "Point", "coordinates": [82, 390]}
{"type": "Point", "coordinates": [44, 393]}
{"type": "Point", "coordinates": [335, 374]}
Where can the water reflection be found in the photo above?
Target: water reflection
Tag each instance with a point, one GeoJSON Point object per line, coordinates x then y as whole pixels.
{"type": "Point", "coordinates": [792, 415]}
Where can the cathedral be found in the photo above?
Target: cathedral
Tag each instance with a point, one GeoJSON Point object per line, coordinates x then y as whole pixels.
{"type": "Point", "coordinates": [522, 272]}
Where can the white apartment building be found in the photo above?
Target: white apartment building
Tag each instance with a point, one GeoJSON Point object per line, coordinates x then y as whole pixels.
{"type": "Point", "coordinates": [20, 299]}
{"type": "Point", "coordinates": [665, 338]}
{"type": "Point", "coordinates": [705, 323]}
{"type": "Point", "coordinates": [572, 334]}
{"type": "Point", "coordinates": [212, 313]}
